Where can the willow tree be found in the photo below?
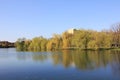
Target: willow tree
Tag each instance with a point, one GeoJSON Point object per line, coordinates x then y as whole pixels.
{"type": "Point", "coordinates": [104, 39]}
{"type": "Point", "coordinates": [26, 44]}
{"type": "Point", "coordinates": [55, 42]}
{"type": "Point", "coordinates": [81, 38]}
{"type": "Point", "coordinates": [20, 44]}
{"type": "Point", "coordinates": [43, 44]}
{"type": "Point", "coordinates": [38, 44]}
{"type": "Point", "coordinates": [67, 40]}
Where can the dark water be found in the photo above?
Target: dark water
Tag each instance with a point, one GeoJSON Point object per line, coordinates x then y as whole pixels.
{"type": "Point", "coordinates": [62, 65]}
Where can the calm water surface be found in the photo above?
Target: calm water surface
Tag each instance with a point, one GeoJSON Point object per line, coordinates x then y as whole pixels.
{"type": "Point", "coordinates": [59, 65]}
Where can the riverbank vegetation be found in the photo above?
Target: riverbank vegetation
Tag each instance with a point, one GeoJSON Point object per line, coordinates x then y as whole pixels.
{"type": "Point", "coordinates": [74, 39]}
{"type": "Point", "coordinates": [6, 44]}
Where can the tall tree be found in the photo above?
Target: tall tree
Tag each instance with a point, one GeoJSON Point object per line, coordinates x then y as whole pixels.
{"type": "Point", "coordinates": [67, 40]}
{"type": "Point", "coordinates": [115, 29]}
{"type": "Point", "coordinates": [20, 44]}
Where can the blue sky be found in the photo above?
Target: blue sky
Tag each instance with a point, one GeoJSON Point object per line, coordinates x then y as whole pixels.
{"type": "Point", "coordinates": [31, 18]}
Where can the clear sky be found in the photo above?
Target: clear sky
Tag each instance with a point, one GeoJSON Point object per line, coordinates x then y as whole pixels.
{"type": "Point", "coordinates": [31, 18]}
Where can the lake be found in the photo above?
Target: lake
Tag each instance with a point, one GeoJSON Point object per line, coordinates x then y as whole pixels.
{"type": "Point", "coordinates": [59, 65]}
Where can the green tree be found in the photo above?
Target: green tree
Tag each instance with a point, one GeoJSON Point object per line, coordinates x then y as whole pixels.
{"type": "Point", "coordinates": [81, 38]}
{"type": "Point", "coordinates": [26, 44]}
{"type": "Point", "coordinates": [38, 44]}
{"type": "Point", "coordinates": [67, 40]}
{"type": "Point", "coordinates": [20, 44]}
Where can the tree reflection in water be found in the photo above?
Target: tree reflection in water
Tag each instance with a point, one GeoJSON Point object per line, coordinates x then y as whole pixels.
{"type": "Point", "coordinates": [83, 60]}
{"type": "Point", "coordinates": [115, 62]}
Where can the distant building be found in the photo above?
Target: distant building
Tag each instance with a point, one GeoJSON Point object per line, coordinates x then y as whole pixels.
{"type": "Point", "coordinates": [71, 31]}
{"type": "Point", "coordinates": [117, 45]}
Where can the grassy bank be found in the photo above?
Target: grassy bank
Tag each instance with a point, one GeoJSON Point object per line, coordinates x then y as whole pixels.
{"type": "Point", "coordinates": [92, 49]}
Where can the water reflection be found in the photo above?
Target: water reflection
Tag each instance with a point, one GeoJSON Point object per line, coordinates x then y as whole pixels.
{"type": "Point", "coordinates": [115, 64]}
{"type": "Point", "coordinates": [83, 60]}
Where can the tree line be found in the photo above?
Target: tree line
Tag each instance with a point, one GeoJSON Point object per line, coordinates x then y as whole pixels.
{"type": "Point", "coordinates": [80, 39]}
{"type": "Point", "coordinates": [6, 44]}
